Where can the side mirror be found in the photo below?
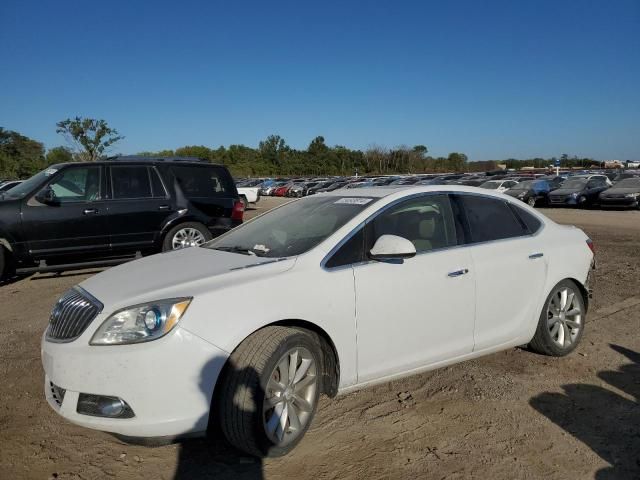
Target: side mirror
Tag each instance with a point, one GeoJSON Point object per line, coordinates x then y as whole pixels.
{"type": "Point", "coordinates": [46, 196]}
{"type": "Point", "coordinates": [392, 247]}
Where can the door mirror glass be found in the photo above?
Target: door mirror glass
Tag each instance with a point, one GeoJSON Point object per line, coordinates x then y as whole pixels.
{"type": "Point", "coordinates": [47, 196]}
{"type": "Point", "coordinates": [390, 247]}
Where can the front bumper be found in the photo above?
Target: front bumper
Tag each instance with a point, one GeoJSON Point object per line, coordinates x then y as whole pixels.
{"type": "Point", "coordinates": [168, 383]}
{"type": "Point", "coordinates": [619, 202]}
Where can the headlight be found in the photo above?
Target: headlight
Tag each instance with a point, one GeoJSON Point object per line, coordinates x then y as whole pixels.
{"type": "Point", "coordinates": [574, 195]}
{"type": "Point", "coordinates": [141, 323]}
{"type": "Point", "coordinates": [632, 195]}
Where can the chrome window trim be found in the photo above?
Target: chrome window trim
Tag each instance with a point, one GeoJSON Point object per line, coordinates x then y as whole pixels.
{"type": "Point", "coordinates": [331, 252]}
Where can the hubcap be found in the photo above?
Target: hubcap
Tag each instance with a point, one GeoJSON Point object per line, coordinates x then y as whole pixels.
{"type": "Point", "coordinates": [290, 396]}
{"type": "Point", "coordinates": [187, 237]}
{"type": "Point", "coordinates": [564, 317]}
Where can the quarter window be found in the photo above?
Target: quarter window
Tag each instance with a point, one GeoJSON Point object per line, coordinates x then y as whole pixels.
{"type": "Point", "coordinates": [489, 219]}
{"type": "Point", "coordinates": [202, 182]}
{"type": "Point", "coordinates": [530, 221]}
{"type": "Point", "coordinates": [351, 251]}
{"type": "Point", "coordinates": [426, 221]}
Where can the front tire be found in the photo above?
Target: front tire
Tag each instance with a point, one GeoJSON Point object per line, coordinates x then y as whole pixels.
{"type": "Point", "coordinates": [562, 320]}
{"type": "Point", "coordinates": [531, 201]}
{"type": "Point", "coordinates": [270, 390]}
{"type": "Point", "coordinates": [3, 263]}
{"type": "Point", "coordinates": [190, 234]}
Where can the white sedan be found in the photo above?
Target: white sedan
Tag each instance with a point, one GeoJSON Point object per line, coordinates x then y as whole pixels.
{"type": "Point", "coordinates": [499, 185]}
{"type": "Point", "coordinates": [326, 294]}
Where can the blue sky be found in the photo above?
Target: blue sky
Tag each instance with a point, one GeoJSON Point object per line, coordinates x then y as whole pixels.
{"type": "Point", "coordinates": [493, 79]}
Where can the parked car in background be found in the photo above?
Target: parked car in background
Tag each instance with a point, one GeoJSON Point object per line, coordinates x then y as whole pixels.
{"type": "Point", "coordinates": [555, 181]}
{"type": "Point", "coordinates": [596, 176]}
{"type": "Point", "coordinates": [579, 191]}
{"type": "Point", "coordinates": [531, 192]}
{"type": "Point", "coordinates": [417, 278]}
{"type": "Point", "coordinates": [333, 186]}
{"type": "Point", "coordinates": [625, 193]}
{"type": "Point", "coordinates": [6, 185]}
{"type": "Point", "coordinates": [72, 215]}
{"type": "Point", "coordinates": [271, 188]}
{"type": "Point", "coordinates": [498, 185]}
{"type": "Point", "coordinates": [321, 185]}
{"type": "Point", "coordinates": [249, 194]}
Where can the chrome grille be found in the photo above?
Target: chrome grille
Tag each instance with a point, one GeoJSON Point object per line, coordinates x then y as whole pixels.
{"type": "Point", "coordinates": [71, 315]}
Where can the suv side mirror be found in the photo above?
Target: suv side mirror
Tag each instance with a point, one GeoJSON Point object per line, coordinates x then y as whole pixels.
{"type": "Point", "coordinates": [392, 247]}
{"type": "Point", "coordinates": [46, 196]}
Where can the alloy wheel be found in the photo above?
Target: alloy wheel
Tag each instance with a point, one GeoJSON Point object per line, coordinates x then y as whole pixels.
{"type": "Point", "coordinates": [290, 396]}
{"type": "Point", "coordinates": [187, 237]}
{"type": "Point", "coordinates": [564, 317]}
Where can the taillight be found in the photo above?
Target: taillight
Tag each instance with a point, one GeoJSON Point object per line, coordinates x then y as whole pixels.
{"type": "Point", "coordinates": [591, 246]}
{"type": "Point", "coordinates": [238, 210]}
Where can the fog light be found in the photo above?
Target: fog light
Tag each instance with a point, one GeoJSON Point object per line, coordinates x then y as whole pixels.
{"type": "Point", "coordinates": [103, 406]}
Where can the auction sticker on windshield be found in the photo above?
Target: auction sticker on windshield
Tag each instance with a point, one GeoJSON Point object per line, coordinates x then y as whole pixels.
{"type": "Point", "coordinates": [354, 201]}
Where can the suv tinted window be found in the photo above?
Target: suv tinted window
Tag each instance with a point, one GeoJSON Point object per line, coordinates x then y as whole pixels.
{"type": "Point", "coordinates": [77, 184]}
{"type": "Point", "coordinates": [130, 181]}
{"type": "Point", "coordinates": [490, 218]}
{"type": "Point", "coordinates": [352, 251]}
{"type": "Point", "coordinates": [205, 181]}
{"type": "Point", "coordinates": [426, 221]}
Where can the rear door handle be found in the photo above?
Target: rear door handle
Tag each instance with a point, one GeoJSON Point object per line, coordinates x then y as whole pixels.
{"type": "Point", "coordinates": [89, 211]}
{"type": "Point", "coordinates": [533, 256]}
{"type": "Point", "coordinates": [458, 273]}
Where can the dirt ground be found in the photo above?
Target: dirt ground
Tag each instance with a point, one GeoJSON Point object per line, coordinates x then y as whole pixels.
{"type": "Point", "coordinates": [511, 415]}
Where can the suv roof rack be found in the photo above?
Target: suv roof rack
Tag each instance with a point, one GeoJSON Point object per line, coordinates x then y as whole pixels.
{"type": "Point", "coordinates": [141, 158]}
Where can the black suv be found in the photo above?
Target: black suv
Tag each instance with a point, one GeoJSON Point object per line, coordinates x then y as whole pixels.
{"type": "Point", "coordinates": [74, 215]}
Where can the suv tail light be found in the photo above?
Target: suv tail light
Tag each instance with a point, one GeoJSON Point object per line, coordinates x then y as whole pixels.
{"type": "Point", "coordinates": [591, 246]}
{"type": "Point", "coordinates": [238, 210]}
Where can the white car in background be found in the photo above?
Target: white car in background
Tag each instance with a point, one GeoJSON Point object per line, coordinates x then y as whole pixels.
{"type": "Point", "coordinates": [347, 289]}
{"type": "Point", "coordinates": [499, 185]}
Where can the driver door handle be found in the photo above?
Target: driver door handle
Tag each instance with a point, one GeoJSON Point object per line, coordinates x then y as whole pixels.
{"type": "Point", "coordinates": [163, 207]}
{"type": "Point", "coordinates": [458, 273]}
{"type": "Point", "coordinates": [89, 211]}
{"type": "Point", "coordinates": [536, 255]}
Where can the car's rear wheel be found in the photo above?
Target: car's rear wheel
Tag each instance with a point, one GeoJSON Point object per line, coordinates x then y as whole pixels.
{"type": "Point", "coordinates": [270, 391]}
{"type": "Point", "coordinates": [191, 234]}
{"type": "Point", "coordinates": [561, 323]}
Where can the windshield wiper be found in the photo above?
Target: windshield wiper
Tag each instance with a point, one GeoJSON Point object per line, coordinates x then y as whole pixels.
{"type": "Point", "coordinates": [238, 249]}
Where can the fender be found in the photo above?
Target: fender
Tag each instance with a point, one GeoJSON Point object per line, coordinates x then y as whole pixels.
{"type": "Point", "coordinates": [180, 216]}
{"type": "Point", "coordinates": [5, 243]}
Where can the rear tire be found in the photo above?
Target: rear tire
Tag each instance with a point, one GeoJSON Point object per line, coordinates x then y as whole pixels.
{"type": "Point", "coordinates": [189, 234]}
{"type": "Point", "coordinates": [244, 201]}
{"type": "Point", "coordinates": [3, 263]}
{"type": "Point", "coordinates": [561, 323]}
{"type": "Point", "coordinates": [269, 391]}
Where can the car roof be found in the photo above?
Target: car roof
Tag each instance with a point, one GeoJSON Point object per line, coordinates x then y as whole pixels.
{"type": "Point", "coordinates": [387, 190]}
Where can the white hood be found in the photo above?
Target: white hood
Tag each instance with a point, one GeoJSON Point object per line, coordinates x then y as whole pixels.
{"type": "Point", "coordinates": [175, 274]}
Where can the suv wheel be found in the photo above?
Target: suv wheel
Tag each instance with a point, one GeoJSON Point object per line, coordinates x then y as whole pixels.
{"type": "Point", "coordinates": [561, 323]}
{"type": "Point", "coordinates": [185, 235]}
{"type": "Point", "coordinates": [270, 390]}
{"type": "Point", "coordinates": [3, 263]}
{"type": "Point", "coordinates": [244, 201]}
{"type": "Point", "coordinates": [532, 201]}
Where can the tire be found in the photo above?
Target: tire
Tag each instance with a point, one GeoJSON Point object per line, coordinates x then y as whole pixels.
{"type": "Point", "coordinates": [248, 420]}
{"type": "Point", "coordinates": [531, 201]}
{"type": "Point", "coordinates": [3, 263]}
{"type": "Point", "coordinates": [244, 201]}
{"type": "Point", "coordinates": [582, 202]}
{"type": "Point", "coordinates": [191, 233]}
{"type": "Point", "coordinates": [555, 326]}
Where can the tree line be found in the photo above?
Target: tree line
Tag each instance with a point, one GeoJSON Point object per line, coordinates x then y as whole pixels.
{"type": "Point", "coordinates": [91, 139]}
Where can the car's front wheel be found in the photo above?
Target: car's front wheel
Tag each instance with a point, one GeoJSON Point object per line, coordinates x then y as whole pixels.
{"type": "Point", "coordinates": [561, 323]}
{"type": "Point", "coordinates": [270, 390]}
{"type": "Point", "coordinates": [531, 201]}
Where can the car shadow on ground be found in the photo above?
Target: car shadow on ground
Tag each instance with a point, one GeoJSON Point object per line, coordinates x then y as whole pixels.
{"type": "Point", "coordinates": [212, 457]}
{"type": "Point", "coordinates": [604, 420]}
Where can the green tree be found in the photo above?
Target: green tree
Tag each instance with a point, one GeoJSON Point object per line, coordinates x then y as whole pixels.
{"type": "Point", "coordinates": [59, 155]}
{"type": "Point", "coordinates": [91, 137]}
{"type": "Point", "coordinates": [20, 156]}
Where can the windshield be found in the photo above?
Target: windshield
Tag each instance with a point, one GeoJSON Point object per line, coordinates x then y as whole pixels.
{"type": "Point", "coordinates": [626, 183]}
{"type": "Point", "coordinates": [523, 185]}
{"type": "Point", "coordinates": [490, 185]}
{"type": "Point", "coordinates": [24, 188]}
{"type": "Point", "coordinates": [574, 183]}
{"type": "Point", "coordinates": [292, 229]}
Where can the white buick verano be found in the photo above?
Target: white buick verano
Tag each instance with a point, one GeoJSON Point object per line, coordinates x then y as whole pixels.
{"type": "Point", "coordinates": [326, 294]}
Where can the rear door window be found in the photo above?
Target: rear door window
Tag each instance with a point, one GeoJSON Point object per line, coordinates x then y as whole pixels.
{"type": "Point", "coordinates": [130, 182]}
{"type": "Point", "coordinates": [203, 182]}
{"type": "Point", "coordinates": [489, 219]}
